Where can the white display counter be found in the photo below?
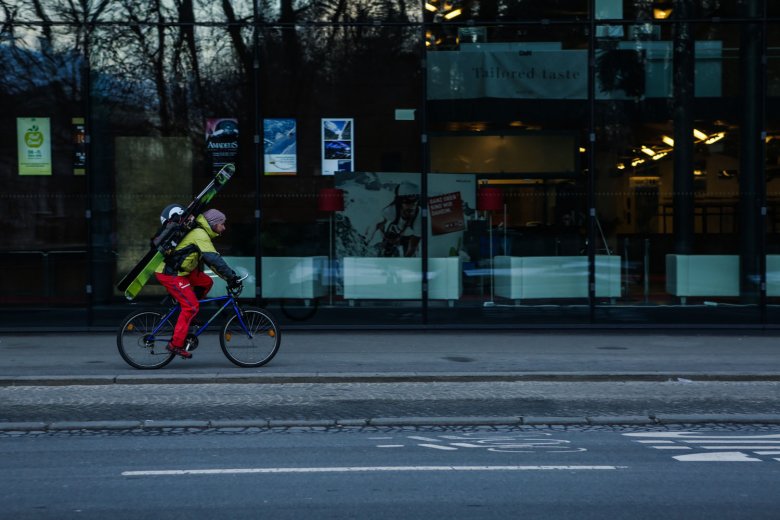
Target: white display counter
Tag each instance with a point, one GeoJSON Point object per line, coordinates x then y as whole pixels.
{"type": "Point", "coordinates": [528, 277]}
{"type": "Point", "coordinates": [702, 275]}
{"type": "Point", "coordinates": [294, 277]}
{"type": "Point", "coordinates": [401, 278]}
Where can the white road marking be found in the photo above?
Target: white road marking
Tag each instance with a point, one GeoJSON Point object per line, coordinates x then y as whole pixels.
{"type": "Point", "coordinates": [437, 447]}
{"type": "Point", "coordinates": [426, 439]}
{"type": "Point", "coordinates": [730, 447]}
{"type": "Point", "coordinates": [728, 440]}
{"type": "Point", "coordinates": [723, 456]}
{"type": "Point", "coordinates": [389, 445]}
{"type": "Point", "coordinates": [722, 444]}
{"type": "Point", "coordinates": [360, 469]}
{"type": "Point", "coordinates": [693, 435]}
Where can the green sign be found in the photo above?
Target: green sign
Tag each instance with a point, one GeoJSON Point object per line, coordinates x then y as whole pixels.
{"type": "Point", "coordinates": [33, 136]}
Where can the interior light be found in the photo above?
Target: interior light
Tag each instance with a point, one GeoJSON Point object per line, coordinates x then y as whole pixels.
{"type": "Point", "coordinates": [715, 138]}
{"type": "Point", "coordinates": [668, 140]}
{"type": "Point", "coordinates": [453, 14]}
{"type": "Point", "coordinates": [582, 150]}
{"type": "Point", "coordinates": [430, 7]}
{"type": "Point", "coordinates": [698, 134]}
{"type": "Point", "coordinates": [637, 162]}
{"type": "Point", "coordinates": [661, 14]}
{"type": "Point", "coordinates": [659, 155]}
{"type": "Point", "coordinates": [698, 173]}
{"type": "Point", "coordinates": [621, 166]}
{"type": "Point", "coordinates": [648, 151]}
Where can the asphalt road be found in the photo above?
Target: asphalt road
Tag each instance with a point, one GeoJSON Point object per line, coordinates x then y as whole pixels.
{"type": "Point", "coordinates": [414, 473]}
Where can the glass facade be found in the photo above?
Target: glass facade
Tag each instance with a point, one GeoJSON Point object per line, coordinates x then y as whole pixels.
{"type": "Point", "coordinates": [512, 163]}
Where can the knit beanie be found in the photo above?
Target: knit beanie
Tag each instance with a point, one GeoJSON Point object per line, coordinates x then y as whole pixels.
{"type": "Point", "coordinates": [214, 217]}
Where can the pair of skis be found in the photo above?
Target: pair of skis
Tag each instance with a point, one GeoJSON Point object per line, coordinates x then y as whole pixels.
{"type": "Point", "coordinates": [171, 233]}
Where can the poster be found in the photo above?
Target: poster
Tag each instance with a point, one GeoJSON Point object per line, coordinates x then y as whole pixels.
{"type": "Point", "coordinates": [382, 214]}
{"type": "Point", "coordinates": [79, 146]}
{"type": "Point", "coordinates": [338, 145]}
{"type": "Point", "coordinates": [221, 141]}
{"type": "Point", "coordinates": [446, 213]}
{"type": "Point", "coordinates": [279, 147]}
{"type": "Point", "coordinates": [33, 135]}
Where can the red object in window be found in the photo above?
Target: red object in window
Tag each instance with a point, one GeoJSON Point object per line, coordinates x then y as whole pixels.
{"type": "Point", "coordinates": [330, 199]}
{"type": "Point", "coordinates": [490, 199]}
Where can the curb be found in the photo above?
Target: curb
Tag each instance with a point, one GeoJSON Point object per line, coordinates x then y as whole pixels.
{"type": "Point", "coordinates": [239, 424]}
{"type": "Point", "coordinates": [414, 377]}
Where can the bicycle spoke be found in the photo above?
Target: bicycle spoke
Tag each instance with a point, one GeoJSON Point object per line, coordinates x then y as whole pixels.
{"type": "Point", "coordinates": [256, 345]}
{"type": "Point", "coordinates": [139, 345]}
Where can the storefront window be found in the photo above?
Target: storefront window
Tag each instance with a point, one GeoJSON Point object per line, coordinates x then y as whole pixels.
{"type": "Point", "coordinates": [45, 233]}
{"type": "Point", "coordinates": [402, 163]}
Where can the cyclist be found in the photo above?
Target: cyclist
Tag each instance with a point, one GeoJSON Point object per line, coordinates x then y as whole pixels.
{"type": "Point", "coordinates": [183, 277]}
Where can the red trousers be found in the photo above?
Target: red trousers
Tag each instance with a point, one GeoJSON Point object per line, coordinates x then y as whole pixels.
{"type": "Point", "coordinates": [186, 290]}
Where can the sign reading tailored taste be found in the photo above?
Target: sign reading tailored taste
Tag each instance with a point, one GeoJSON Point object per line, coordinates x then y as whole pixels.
{"type": "Point", "coordinates": [338, 145]}
{"type": "Point", "coordinates": [279, 147]}
{"type": "Point", "coordinates": [222, 141]}
{"type": "Point", "coordinates": [33, 135]}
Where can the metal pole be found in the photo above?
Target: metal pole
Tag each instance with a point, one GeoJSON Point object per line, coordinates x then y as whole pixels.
{"type": "Point", "coordinates": [331, 278]}
{"type": "Point", "coordinates": [647, 269]}
{"type": "Point", "coordinates": [492, 274]}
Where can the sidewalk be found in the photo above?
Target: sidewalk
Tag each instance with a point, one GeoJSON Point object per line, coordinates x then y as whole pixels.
{"type": "Point", "coordinates": [391, 379]}
{"type": "Point", "coordinates": [63, 359]}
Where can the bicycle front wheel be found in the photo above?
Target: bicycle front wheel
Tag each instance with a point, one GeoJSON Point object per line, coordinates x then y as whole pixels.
{"type": "Point", "coordinates": [139, 345]}
{"type": "Point", "coordinates": [254, 343]}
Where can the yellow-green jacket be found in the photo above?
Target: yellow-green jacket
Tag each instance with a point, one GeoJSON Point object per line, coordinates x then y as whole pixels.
{"type": "Point", "coordinates": [194, 247]}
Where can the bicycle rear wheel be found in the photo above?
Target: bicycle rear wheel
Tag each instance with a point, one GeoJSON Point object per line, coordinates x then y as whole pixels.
{"type": "Point", "coordinates": [256, 348]}
{"type": "Point", "coordinates": [138, 347]}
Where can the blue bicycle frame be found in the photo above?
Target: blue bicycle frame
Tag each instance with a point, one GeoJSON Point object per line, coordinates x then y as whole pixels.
{"type": "Point", "coordinates": [228, 299]}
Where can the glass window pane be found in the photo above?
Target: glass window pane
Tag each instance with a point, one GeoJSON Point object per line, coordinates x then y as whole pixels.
{"type": "Point", "coordinates": [42, 170]}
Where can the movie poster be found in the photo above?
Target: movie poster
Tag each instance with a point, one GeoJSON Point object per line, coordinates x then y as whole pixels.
{"type": "Point", "coordinates": [33, 136]}
{"type": "Point", "coordinates": [221, 142]}
{"type": "Point", "coordinates": [338, 145]}
{"type": "Point", "coordinates": [382, 214]}
{"type": "Point", "coordinates": [279, 147]}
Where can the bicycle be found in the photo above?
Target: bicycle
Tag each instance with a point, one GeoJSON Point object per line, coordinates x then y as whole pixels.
{"type": "Point", "coordinates": [250, 337]}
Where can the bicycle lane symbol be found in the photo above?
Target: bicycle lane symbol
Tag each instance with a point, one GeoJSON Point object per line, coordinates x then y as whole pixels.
{"type": "Point", "coordinates": [501, 443]}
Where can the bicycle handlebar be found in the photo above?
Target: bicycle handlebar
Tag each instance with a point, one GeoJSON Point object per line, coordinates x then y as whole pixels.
{"type": "Point", "coordinates": [235, 292]}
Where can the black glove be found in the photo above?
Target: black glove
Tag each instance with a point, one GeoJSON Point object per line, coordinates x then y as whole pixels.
{"type": "Point", "coordinates": [234, 283]}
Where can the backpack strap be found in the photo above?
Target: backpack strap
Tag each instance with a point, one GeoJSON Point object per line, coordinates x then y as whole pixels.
{"type": "Point", "coordinates": [175, 259]}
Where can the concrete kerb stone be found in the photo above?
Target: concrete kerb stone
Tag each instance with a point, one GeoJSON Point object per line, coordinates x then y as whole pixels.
{"type": "Point", "coordinates": [444, 421]}
{"type": "Point", "coordinates": [416, 377]}
{"type": "Point", "coordinates": [717, 418]}
{"type": "Point", "coordinates": [55, 380]}
{"type": "Point", "coordinates": [94, 425]}
{"type": "Point", "coordinates": [620, 419]}
{"type": "Point", "coordinates": [151, 425]}
{"type": "Point", "coordinates": [539, 421]}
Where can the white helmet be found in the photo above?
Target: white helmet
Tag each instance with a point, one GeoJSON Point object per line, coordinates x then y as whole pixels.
{"type": "Point", "coordinates": [170, 212]}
